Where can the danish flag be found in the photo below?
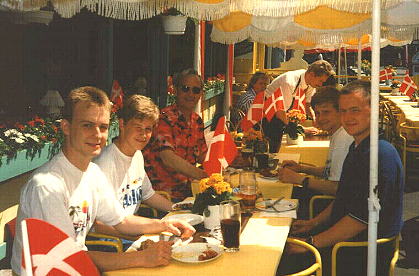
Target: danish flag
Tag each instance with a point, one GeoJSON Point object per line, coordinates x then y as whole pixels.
{"type": "Point", "coordinates": [274, 103]}
{"type": "Point", "coordinates": [255, 112]}
{"type": "Point", "coordinates": [221, 151]}
{"type": "Point", "coordinates": [386, 74]}
{"type": "Point", "coordinates": [49, 251]}
{"type": "Point", "coordinates": [300, 101]}
{"type": "Point", "coordinates": [408, 86]}
{"type": "Point", "coordinates": [117, 94]}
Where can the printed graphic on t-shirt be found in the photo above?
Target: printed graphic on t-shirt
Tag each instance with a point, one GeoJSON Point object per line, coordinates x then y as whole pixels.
{"type": "Point", "coordinates": [132, 194]}
{"type": "Point", "coordinates": [80, 217]}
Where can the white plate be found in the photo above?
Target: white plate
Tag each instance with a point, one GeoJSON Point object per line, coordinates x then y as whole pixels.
{"type": "Point", "coordinates": [282, 206]}
{"type": "Point", "coordinates": [189, 200]}
{"type": "Point", "coordinates": [190, 253]}
{"type": "Point", "coordinates": [193, 219]}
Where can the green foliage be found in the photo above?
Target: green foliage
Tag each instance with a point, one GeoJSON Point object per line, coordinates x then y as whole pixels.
{"type": "Point", "coordinates": [293, 129]}
{"type": "Point", "coordinates": [207, 198]}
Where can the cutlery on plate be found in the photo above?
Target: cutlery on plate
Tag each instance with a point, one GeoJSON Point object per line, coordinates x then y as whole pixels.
{"type": "Point", "coordinates": [272, 205]}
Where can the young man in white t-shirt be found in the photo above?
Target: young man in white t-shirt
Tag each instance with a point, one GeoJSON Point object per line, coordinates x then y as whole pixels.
{"type": "Point", "coordinates": [123, 164]}
{"type": "Point", "coordinates": [326, 107]}
{"type": "Point", "coordinates": [70, 192]}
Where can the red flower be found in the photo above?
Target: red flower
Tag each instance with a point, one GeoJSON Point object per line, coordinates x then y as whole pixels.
{"type": "Point", "coordinates": [31, 123]}
{"type": "Point", "coordinates": [39, 120]}
{"type": "Point", "coordinates": [19, 126]}
{"type": "Point", "coordinates": [55, 129]}
{"type": "Point", "coordinates": [43, 137]}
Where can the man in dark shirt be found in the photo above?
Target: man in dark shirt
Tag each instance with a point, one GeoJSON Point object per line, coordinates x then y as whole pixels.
{"type": "Point", "coordinates": [346, 219]}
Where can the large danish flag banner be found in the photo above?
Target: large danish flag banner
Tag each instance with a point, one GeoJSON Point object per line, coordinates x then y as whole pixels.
{"type": "Point", "coordinates": [408, 86]}
{"type": "Point", "coordinates": [274, 103]}
{"type": "Point", "coordinates": [221, 151]}
{"type": "Point", "coordinates": [255, 112]}
{"type": "Point", "coordinates": [50, 251]}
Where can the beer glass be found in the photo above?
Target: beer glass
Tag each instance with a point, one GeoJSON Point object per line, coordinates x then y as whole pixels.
{"type": "Point", "coordinates": [248, 189]}
{"type": "Point", "coordinates": [230, 217]}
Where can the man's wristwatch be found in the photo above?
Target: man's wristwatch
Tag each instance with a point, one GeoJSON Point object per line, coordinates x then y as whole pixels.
{"type": "Point", "coordinates": [310, 241]}
{"type": "Point", "coordinates": [305, 182]}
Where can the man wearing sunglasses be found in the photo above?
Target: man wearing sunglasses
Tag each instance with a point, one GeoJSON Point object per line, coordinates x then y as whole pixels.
{"type": "Point", "coordinates": [178, 142]}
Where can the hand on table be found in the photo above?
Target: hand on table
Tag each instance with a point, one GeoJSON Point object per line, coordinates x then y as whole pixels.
{"type": "Point", "coordinates": [157, 254]}
{"type": "Point", "coordinates": [302, 226]}
{"type": "Point", "coordinates": [179, 228]}
{"type": "Point", "coordinates": [289, 176]}
{"type": "Point", "coordinates": [292, 165]}
{"type": "Point", "coordinates": [311, 130]}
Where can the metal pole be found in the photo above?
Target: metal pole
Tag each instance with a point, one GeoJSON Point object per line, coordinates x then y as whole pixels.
{"type": "Point", "coordinates": [346, 64]}
{"type": "Point", "coordinates": [373, 203]}
{"type": "Point", "coordinates": [339, 70]}
{"type": "Point", "coordinates": [359, 57]}
{"type": "Point", "coordinates": [198, 60]}
{"type": "Point", "coordinates": [228, 92]}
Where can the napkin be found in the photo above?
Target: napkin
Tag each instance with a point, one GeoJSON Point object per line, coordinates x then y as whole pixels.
{"type": "Point", "coordinates": [286, 214]}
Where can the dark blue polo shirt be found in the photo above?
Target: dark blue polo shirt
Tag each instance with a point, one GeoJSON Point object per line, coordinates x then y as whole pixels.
{"type": "Point", "coordinates": [353, 191]}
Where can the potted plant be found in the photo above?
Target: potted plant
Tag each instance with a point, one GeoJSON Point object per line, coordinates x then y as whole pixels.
{"type": "Point", "coordinates": [294, 131]}
{"type": "Point", "coordinates": [174, 22]}
{"type": "Point", "coordinates": [212, 191]}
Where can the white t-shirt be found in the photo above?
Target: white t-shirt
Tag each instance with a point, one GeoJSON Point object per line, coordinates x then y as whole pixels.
{"type": "Point", "coordinates": [126, 176]}
{"type": "Point", "coordinates": [288, 82]}
{"type": "Point", "coordinates": [338, 149]}
{"type": "Point", "coordinates": [61, 194]}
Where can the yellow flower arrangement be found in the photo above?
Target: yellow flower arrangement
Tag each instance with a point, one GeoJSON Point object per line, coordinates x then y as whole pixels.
{"type": "Point", "coordinates": [252, 135]}
{"type": "Point", "coordinates": [212, 191]}
{"type": "Point", "coordinates": [216, 181]}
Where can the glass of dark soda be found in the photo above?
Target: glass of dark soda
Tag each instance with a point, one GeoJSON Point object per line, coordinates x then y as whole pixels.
{"type": "Point", "coordinates": [230, 216]}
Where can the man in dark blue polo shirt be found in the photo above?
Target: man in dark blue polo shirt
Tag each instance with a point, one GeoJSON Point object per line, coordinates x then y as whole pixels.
{"type": "Point", "coordinates": [346, 219]}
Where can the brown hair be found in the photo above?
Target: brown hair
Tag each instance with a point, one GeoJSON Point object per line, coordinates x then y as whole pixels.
{"type": "Point", "coordinates": [88, 94]}
{"type": "Point", "coordinates": [364, 86]}
{"type": "Point", "coordinates": [326, 94]}
{"type": "Point", "coordinates": [139, 107]}
{"type": "Point", "coordinates": [256, 76]}
{"type": "Point", "coordinates": [321, 68]}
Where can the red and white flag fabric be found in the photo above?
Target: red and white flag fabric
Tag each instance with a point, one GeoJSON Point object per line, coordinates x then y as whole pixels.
{"type": "Point", "coordinates": [221, 151]}
{"type": "Point", "coordinates": [255, 112]}
{"type": "Point", "coordinates": [408, 86]}
{"type": "Point", "coordinates": [386, 74]}
{"type": "Point", "coordinates": [300, 101]}
{"type": "Point", "coordinates": [117, 94]}
{"type": "Point", "coordinates": [49, 251]}
{"type": "Point", "coordinates": [274, 103]}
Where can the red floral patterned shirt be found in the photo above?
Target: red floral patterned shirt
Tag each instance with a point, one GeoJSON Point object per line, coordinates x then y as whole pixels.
{"type": "Point", "coordinates": [186, 139]}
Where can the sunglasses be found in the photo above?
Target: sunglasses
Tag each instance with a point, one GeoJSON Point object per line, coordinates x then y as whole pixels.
{"type": "Point", "coordinates": [194, 89]}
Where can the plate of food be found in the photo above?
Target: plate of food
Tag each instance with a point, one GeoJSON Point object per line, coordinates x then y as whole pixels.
{"type": "Point", "coordinates": [197, 252]}
{"type": "Point", "coordinates": [192, 219]}
{"type": "Point", "coordinates": [281, 206]}
{"type": "Point", "coordinates": [185, 205]}
{"type": "Point", "coordinates": [269, 174]}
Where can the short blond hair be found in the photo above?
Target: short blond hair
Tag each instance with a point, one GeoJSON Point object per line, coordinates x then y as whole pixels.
{"type": "Point", "coordinates": [87, 94]}
{"type": "Point", "coordinates": [139, 107]}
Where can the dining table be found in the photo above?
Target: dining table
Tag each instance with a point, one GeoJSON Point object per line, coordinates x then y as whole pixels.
{"type": "Point", "coordinates": [262, 243]}
{"type": "Point", "coordinates": [311, 151]}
